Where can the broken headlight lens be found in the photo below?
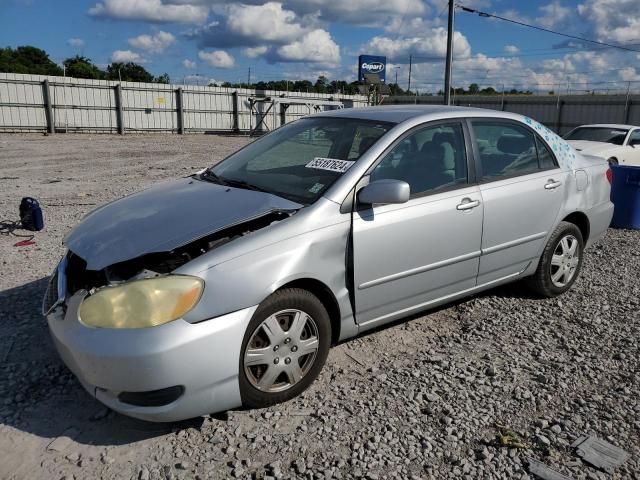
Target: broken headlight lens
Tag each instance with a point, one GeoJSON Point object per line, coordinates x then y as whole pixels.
{"type": "Point", "coordinates": [142, 303]}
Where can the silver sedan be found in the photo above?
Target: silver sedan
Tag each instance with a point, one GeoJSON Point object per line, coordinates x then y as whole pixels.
{"type": "Point", "coordinates": [227, 288]}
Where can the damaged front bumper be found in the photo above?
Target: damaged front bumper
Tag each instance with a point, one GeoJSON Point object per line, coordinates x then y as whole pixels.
{"type": "Point", "coordinates": [194, 367]}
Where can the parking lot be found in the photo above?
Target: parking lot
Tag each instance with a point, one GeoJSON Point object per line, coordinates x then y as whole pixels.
{"type": "Point", "coordinates": [468, 391]}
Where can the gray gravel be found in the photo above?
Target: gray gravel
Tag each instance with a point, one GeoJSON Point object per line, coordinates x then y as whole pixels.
{"type": "Point", "coordinates": [468, 391]}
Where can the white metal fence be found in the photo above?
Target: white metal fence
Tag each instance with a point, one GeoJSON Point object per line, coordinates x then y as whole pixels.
{"type": "Point", "coordinates": [36, 103]}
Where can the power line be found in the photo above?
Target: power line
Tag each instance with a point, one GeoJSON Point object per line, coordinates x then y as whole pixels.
{"type": "Point", "coordinates": [490, 15]}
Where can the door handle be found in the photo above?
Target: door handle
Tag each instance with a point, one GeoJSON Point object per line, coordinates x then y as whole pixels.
{"type": "Point", "coordinates": [468, 204]}
{"type": "Point", "coordinates": [552, 184]}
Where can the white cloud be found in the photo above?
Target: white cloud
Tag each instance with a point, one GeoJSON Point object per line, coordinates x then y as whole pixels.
{"type": "Point", "coordinates": [511, 49]}
{"type": "Point", "coordinates": [316, 47]}
{"type": "Point", "coordinates": [431, 43]}
{"type": "Point", "coordinates": [157, 43]}
{"type": "Point", "coordinates": [190, 64]}
{"type": "Point", "coordinates": [150, 10]}
{"type": "Point", "coordinates": [272, 31]}
{"type": "Point", "coordinates": [359, 12]}
{"type": "Point", "coordinates": [124, 56]}
{"type": "Point", "coordinates": [254, 52]}
{"type": "Point", "coordinates": [75, 42]}
{"type": "Point", "coordinates": [217, 58]}
{"type": "Point", "coordinates": [553, 14]}
{"type": "Point", "coordinates": [268, 22]}
{"type": "Point", "coordinates": [629, 74]}
{"type": "Point", "coordinates": [613, 20]}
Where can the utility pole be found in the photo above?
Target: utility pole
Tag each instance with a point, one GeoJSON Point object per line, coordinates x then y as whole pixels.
{"type": "Point", "coordinates": [410, 61]}
{"type": "Point", "coordinates": [447, 73]}
{"type": "Point", "coordinates": [249, 78]}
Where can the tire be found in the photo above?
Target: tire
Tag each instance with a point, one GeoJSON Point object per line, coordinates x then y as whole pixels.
{"type": "Point", "coordinates": [545, 281]}
{"type": "Point", "coordinates": [270, 350]}
{"type": "Point", "coordinates": [612, 161]}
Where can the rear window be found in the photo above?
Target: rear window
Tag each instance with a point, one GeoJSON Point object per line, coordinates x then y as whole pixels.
{"type": "Point", "coordinates": [615, 136]}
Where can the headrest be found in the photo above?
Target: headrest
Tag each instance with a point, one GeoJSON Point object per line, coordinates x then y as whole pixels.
{"type": "Point", "coordinates": [442, 137]}
{"type": "Point", "coordinates": [513, 144]}
{"type": "Point", "coordinates": [439, 155]}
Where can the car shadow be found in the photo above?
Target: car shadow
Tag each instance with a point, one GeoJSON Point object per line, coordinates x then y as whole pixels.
{"type": "Point", "coordinates": [518, 290]}
{"type": "Point", "coordinates": [41, 396]}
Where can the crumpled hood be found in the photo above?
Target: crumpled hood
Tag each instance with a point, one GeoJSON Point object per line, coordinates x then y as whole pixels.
{"type": "Point", "coordinates": [592, 148]}
{"type": "Point", "coordinates": [164, 217]}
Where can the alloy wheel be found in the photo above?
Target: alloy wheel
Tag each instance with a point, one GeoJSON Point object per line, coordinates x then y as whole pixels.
{"type": "Point", "coordinates": [564, 261]}
{"type": "Point", "coordinates": [281, 350]}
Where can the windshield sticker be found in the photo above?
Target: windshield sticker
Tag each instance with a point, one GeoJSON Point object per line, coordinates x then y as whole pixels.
{"type": "Point", "coordinates": [331, 164]}
{"type": "Point", "coordinates": [316, 188]}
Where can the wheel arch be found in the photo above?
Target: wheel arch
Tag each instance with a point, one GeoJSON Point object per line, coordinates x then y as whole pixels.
{"type": "Point", "coordinates": [326, 297]}
{"type": "Point", "coordinates": [580, 220]}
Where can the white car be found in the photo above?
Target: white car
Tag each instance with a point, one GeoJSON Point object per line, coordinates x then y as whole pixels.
{"type": "Point", "coordinates": [619, 144]}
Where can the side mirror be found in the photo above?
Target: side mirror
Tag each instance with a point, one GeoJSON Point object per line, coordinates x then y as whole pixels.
{"type": "Point", "coordinates": [385, 191]}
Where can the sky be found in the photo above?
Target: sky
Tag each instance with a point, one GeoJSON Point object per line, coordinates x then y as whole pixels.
{"type": "Point", "coordinates": [203, 41]}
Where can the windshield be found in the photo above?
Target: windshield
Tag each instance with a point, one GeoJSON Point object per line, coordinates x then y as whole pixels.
{"type": "Point", "coordinates": [598, 134]}
{"type": "Point", "coordinates": [301, 160]}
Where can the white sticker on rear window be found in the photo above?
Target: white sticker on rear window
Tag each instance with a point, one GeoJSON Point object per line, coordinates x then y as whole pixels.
{"type": "Point", "coordinates": [331, 164]}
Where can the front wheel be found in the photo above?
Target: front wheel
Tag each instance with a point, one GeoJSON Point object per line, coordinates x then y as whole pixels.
{"type": "Point", "coordinates": [284, 348]}
{"type": "Point", "coordinates": [561, 261]}
{"type": "Point", "coordinates": [612, 161]}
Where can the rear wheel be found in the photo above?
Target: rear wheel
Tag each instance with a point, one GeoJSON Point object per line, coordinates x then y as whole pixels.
{"type": "Point", "coordinates": [284, 348]}
{"type": "Point", "coordinates": [561, 261]}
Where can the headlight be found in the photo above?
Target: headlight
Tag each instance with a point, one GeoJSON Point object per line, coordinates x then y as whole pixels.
{"type": "Point", "coordinates": [142, 303]}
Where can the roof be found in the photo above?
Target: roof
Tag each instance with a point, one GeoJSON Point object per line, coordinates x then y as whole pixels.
{"type": "Point", "coordinates": [610, 125]}
{"type": "Point", "coordinates": [401, 113]}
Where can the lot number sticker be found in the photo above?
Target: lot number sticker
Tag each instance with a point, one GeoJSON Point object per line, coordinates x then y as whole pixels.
{"type": "Point", "coordinates": [331, 164]}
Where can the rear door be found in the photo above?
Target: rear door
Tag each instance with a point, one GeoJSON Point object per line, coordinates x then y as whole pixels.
{"type": "Point", "coordinates": [522, 189]}
{"type": "Point", "coordinates": [408, 255]}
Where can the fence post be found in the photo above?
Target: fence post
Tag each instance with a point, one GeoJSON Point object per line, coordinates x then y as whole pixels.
{"type": "Point", "coordinates": [119, 109]}
{"type": "Point", "coordinates": [46, 94]}
{"type": "Point", "coordinates": [283, 114]}
{"type": "Point", "coordinates": [559, 115]}
{"type": "Point", "coordinates": [627, 105]}
{"type": "Point", "coordinates": [234, 101]}
{"type": "Point", "coordinates": [180, 110]}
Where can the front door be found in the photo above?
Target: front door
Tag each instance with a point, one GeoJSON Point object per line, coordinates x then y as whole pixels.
{"type": "Point", "coordinates": [522, 190]}
{"type": "Point", "coordinates": [406, 256]}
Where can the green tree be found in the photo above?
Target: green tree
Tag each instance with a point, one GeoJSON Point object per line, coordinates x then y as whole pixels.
{"type": "Point", "coordinates": [129, 72]}
{"type": "Point", "coordinates": [474, 89]}
{"type": "Point", "coordinates": [82, 67]}
{"type": "Point", "coordinates": [164, 78]}
{"type": "Point", "coordinates": [321, 84]}
{"type": "Point", "coordinates": [28, 60]}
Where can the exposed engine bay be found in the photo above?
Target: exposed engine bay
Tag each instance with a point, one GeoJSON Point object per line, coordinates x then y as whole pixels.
{"type": "Point", "coordinates": [161, 263]}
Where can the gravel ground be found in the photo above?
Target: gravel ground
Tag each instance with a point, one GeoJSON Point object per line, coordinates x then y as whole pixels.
{"type": "Point", "coordinates": [468, 391]}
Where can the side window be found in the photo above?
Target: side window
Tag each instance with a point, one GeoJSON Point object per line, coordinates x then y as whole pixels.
{"type": "Point", "coordinates": [505, 149]}
{"type": "Point", "coordinates": [430, 159]}
{"type": "Point", "coordinates": [634, 139]}
{"type": "Point", "coordinates": [545, 158]}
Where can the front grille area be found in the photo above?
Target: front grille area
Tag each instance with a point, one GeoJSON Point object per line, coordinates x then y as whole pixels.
{"type": "Point", "coordinates": [155, 398]}
{"type": "Point", "coordinates": [51, 295]}
{"type": "Point", "coordinates": [78, 277]}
